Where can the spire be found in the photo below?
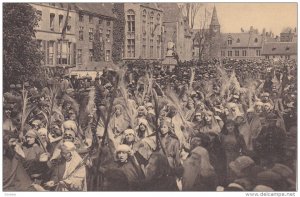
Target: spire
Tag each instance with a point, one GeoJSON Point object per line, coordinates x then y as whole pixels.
{"type": "Point", "coordinates": [214, 18]}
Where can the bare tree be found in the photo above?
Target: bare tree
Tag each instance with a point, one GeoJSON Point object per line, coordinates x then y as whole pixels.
{"type": "Point", "coordinates": [201, 37]}
{"type": "Point", "coordinates": [194, 9]}
{"type": "Point", "coordinates": [190, 10]}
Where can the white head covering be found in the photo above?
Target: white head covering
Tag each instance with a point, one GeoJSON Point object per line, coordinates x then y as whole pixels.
{"type": "Point", "coordinates": [129, 131]}
{"type": "Point", "coordinates": [69, 124]}
{"type": "Point", "coordinates": [123, 148]}
{"type": "Point", "coordinates": [43, 131]}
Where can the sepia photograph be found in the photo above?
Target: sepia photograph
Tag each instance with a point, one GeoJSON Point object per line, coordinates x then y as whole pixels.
{"type": "Point", "coordinates": [149, 97]}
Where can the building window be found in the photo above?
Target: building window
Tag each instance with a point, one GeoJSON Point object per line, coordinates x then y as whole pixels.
{"type": "Point", "coordinates": [223, 53]}
{"type": "Point", "coordinates": [91, 54]}
{"type": "Point", "coordinates": [63, 52]}
{"type": "Point", "coordinates": [244, 53]}
{"type": "Point", "coordinates": [79, 56]}
{"type": "Point", "coordinates": [238, 40]}
{"type": "Point", "coordinates": [52, 21]}
{"type": "Point", "coordinates": [50, 52]}
{"type": "Point", "coordinates": [69, 26]}
{"type": "Point", "coordinates": [144, 18]}
{"type": "Point", "coordinates": [131, 21]}
{"type": "Point", "coordinates": [287, 48]}
{"type": "Point", "coordinates": [255, 40]}
{"type": "Point", "coordinates": [60, 22]}
{"type": "Point", "coordinates": [229, 42]}
{"type": "Point", "coordinates": [151, 22]}
{"type": "Point", "coordinates": [90, 19]}
{"type": "Point", "coordinates": [131, 48]}
{"type": "Point", "coordinates": [237, 53]}
{"type": "Point", "coordinates": [107, 55]}
{"type": "Point", "coordinates": [91, 34]}
{"type": "Point", "coordinates": [144, 51]}
{"type": "Point", "coordinates": [267, 57]}
{"type": "Point", "coordinates": [80, 33]}
{"type": "Point", "coordinates": [81, 16]}
{"type": "Point", "coordinates": [257, 52]}
{"type": "Point", "coordinates": [107, 23]}
{"type": "Point", "coordinates": [100, 21]}
{"type": "Point", "coordinates": [158, 17]}
{"type": "Point", "coordinates": [151, 48]}
{"type": "Point", "coordinates": [287, 57]}
{"type": "Point", "coordinates": [108, 35]}
{"type": "Point", "coordinates": [229, 53]}
{"type": "Point", "coordinates": [101, 34]}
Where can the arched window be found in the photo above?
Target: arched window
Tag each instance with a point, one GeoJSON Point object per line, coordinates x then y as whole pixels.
{"type": "Point", "coordinates": [238, 40]}
{"type": "Point", "coordinates": [151, 22]}
{"type": "Point", "coordinates": [144, 18]}
{"type": "Point", "coordinates": [131, 20]}
{"type": "Point", "coordinates": [158, 17]}
{"type": "Point", "coordinates": [255, 40]}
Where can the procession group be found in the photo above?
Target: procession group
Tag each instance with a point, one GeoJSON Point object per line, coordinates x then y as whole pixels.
{"type": "Point", "coordinates": [222, 125]}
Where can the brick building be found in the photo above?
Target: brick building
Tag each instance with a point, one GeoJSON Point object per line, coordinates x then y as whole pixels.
{"type": "Point", "coordinates": [58, 52]}
{"type": "Point", "coordinates": [143, 23]}
{"type": "Point", "coordinates": [92, 17]}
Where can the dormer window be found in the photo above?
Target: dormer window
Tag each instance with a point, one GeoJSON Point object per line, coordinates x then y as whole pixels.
{"type": "Point", "coordinates": [274, 48]}
{"type": "Point", "coordinates": [229, 41]}
{"type": "Point", "coordinates": [238, 40]}
{"type": "Point", "coordinates": [287, 48]}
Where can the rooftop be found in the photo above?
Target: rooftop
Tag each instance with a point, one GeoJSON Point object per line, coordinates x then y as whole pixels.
{"type": "Point", "coordinates": [279, 48]}
{"type": "Point", "coordinates": [104, 9]}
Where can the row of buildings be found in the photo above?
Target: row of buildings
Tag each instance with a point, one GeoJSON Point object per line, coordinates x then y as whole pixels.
{"type": "Point", "coordinates": [149, 29]}
{"type": "Point", "coordinates": [244, 45]}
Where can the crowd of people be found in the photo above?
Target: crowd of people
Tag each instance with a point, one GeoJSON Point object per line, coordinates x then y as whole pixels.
{"type": "Point", "coordinates": [228, 125]}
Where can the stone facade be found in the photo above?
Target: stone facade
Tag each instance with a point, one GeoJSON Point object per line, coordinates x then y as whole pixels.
{"type": "Point", "coordinates": [49, 34]}
{"type": "Point", "coordinates": [143, 24]}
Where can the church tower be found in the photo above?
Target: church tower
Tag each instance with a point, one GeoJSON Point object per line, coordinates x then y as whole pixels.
{"type": "Point", "coordinates": [215, 35]}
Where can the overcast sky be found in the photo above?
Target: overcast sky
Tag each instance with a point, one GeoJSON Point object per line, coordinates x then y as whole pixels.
{"type": "Point", "coordinates": [272, 16]}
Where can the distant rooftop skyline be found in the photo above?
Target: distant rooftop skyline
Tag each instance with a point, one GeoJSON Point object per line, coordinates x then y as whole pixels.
{"type": "Point", "coordinates": [271, 16]}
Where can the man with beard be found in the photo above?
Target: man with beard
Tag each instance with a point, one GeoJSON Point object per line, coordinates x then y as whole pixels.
{"type": "Point", "coordinates": [70, 173]}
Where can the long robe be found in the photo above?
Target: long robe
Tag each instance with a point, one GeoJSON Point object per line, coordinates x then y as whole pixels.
{"type": "Point", "coordinates": [15, 178]}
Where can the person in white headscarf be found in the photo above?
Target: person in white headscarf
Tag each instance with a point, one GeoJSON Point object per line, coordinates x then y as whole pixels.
{"type": "Point", "coordinates": [70, 173]}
